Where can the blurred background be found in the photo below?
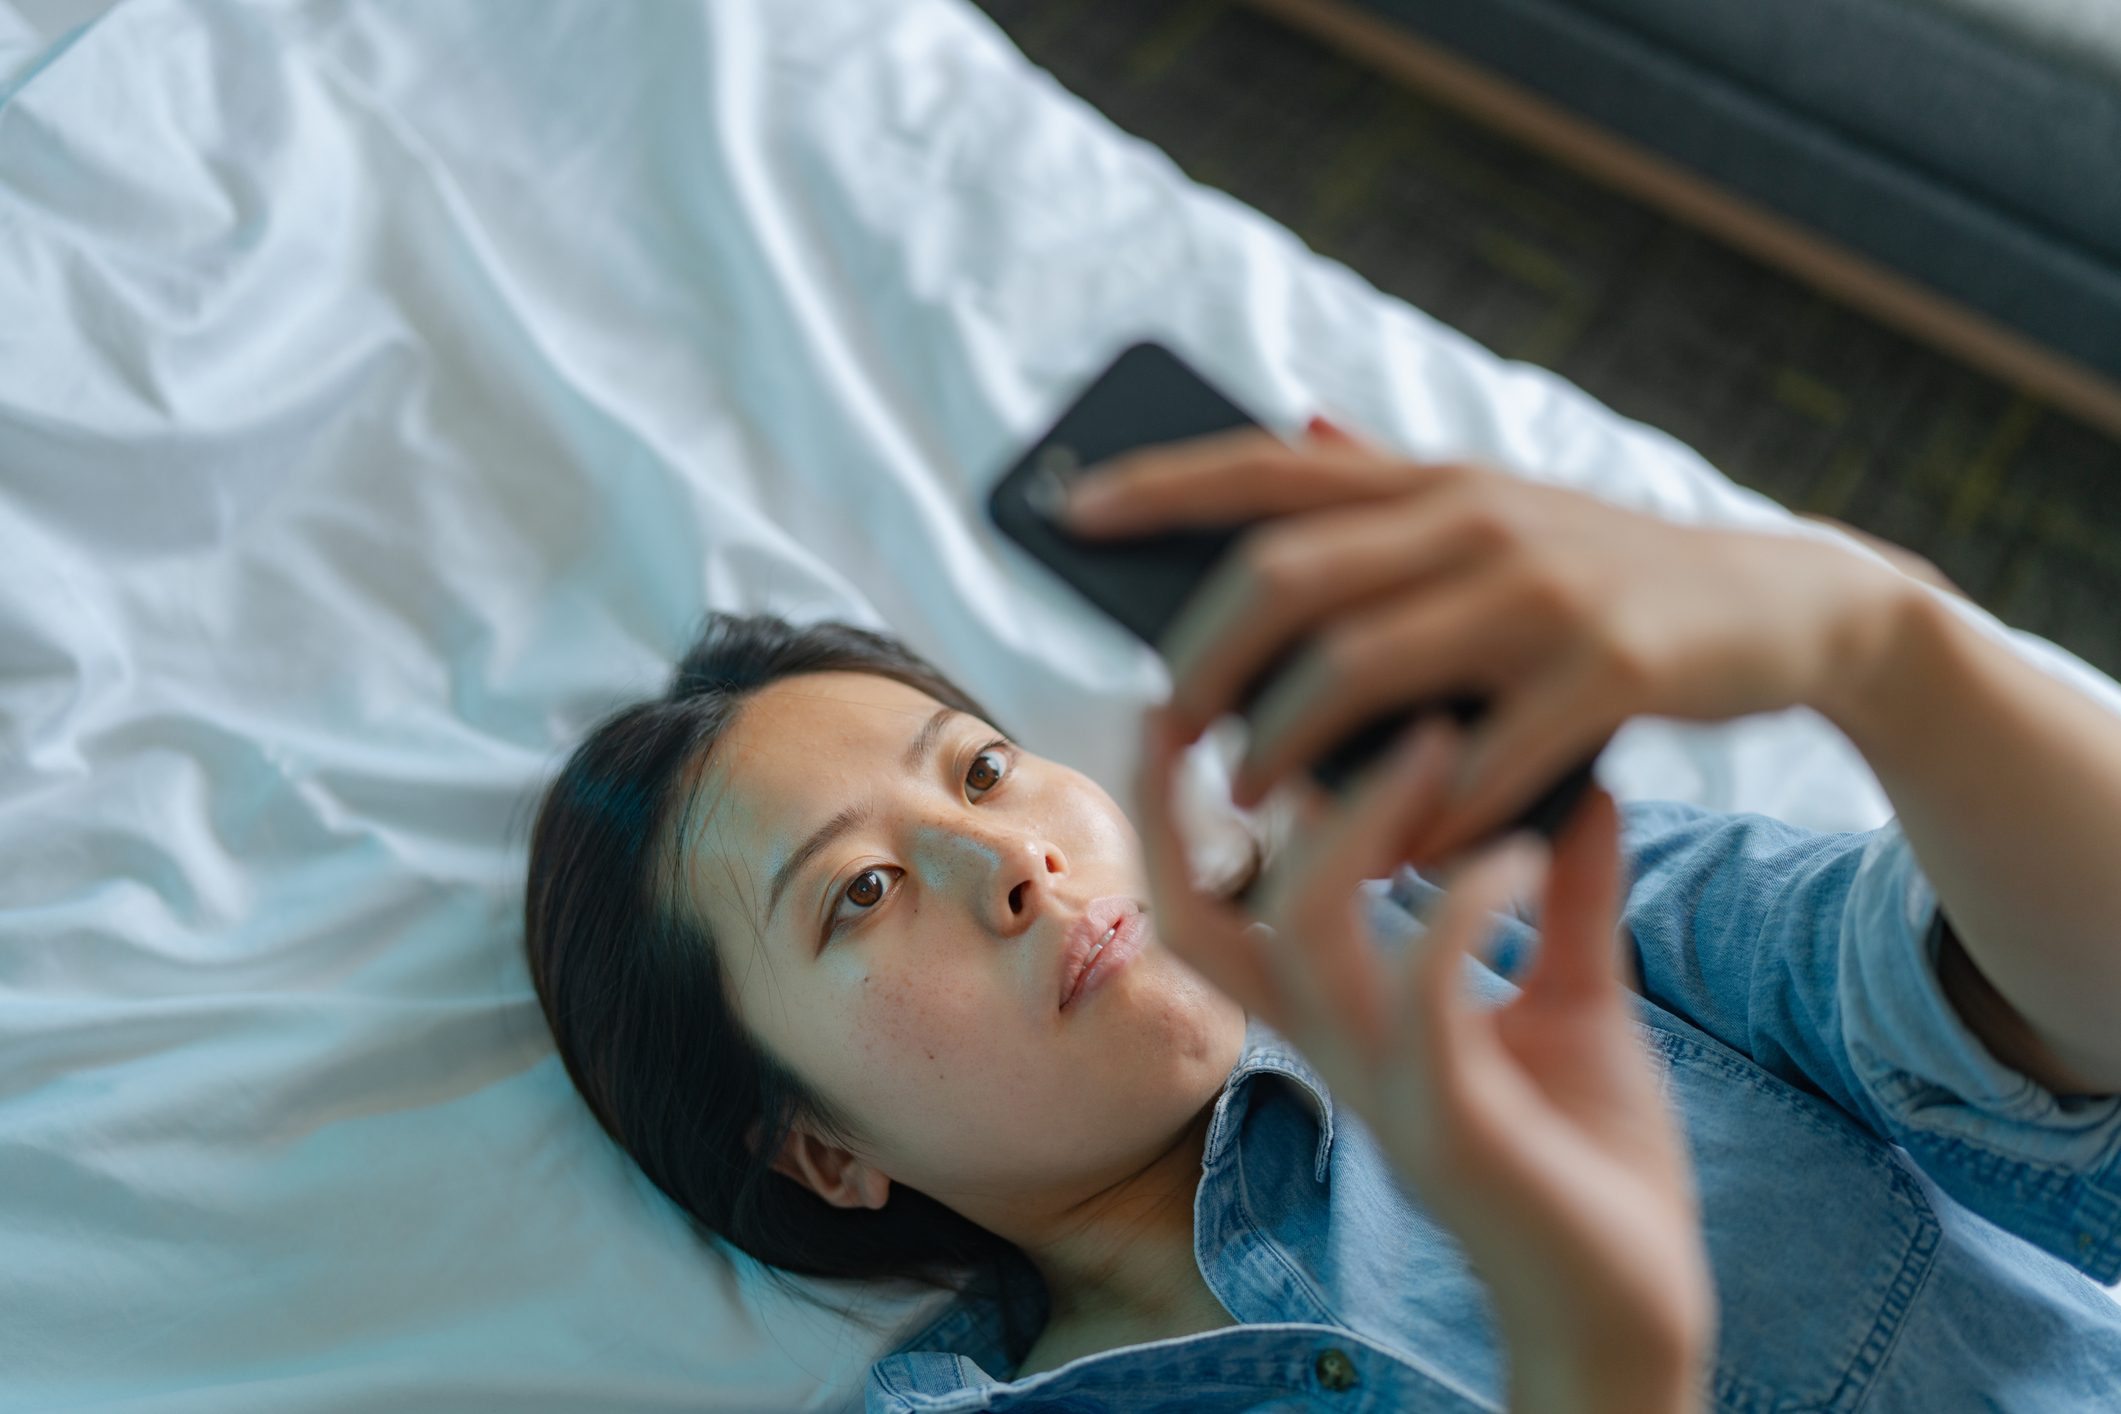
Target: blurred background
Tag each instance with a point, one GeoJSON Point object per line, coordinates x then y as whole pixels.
{"type": "Point", "coordinates": [1879, 280]}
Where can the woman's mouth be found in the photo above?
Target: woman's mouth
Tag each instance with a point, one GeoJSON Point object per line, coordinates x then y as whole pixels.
{"type": "Point", "coordinates": [1118, 946]}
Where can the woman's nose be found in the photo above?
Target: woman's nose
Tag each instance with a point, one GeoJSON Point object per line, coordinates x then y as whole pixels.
{"type": "Point", "coordinates": [1008, 873]}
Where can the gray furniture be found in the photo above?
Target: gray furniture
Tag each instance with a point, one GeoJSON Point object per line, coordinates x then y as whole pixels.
{"type": "Point", "coordinates": [1973, 145]}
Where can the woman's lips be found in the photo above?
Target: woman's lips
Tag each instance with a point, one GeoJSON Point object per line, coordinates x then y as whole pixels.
{"type": "Point", "coordinates": [1126, 944]}
{"type": "Point", "coordinates": [1082, 938]}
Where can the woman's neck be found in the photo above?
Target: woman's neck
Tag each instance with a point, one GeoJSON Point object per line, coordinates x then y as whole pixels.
{"type": "Point", "coordinates": [1127, 1263]}
{"type": "Point", "coordinates": [1057, 1345]}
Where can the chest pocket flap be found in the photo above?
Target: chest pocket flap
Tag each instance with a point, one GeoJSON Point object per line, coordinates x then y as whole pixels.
{"type": "Point", "coordinates": [1817, 1237]}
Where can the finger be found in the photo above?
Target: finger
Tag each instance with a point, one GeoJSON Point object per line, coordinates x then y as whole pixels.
{"type": "Point", "coordinates": [1579, 952]}
{"type": "Point", "coordinates": [1541, 728]}
{"type": "Point", "coordinates": [1285, 933]}
{"type": "Point", "coordinates": [1314, 808]}
{"type": "Point", "coordinates": [1312, 901]}
{"type": "Point", "coordinates": [1400, 790]}
{"type": "Point", "coordinates": [1443, 1033]}
{"type": "Point", "coordinates": [1458, 634]}
{"type": "Point", "coordinates": [1229, 478]}
{"type": "Point", "coordinates": [1163, 850]}
{"type": "Point", "coordinates": [1287, 577]}
{"type": "Point", "coordinates": [1201, 932]}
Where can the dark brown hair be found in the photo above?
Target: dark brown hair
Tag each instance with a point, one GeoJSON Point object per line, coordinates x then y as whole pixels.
{"type": "Point", "coordinates": [632, 988]}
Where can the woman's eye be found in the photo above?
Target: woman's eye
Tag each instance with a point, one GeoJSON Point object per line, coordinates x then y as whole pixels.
{"type": "Point", "coordinates": [852, 887]}
{"type": "Point", "coordinates": [1000, 747]}
{"type": "Point", "coordinates": [985, 752]}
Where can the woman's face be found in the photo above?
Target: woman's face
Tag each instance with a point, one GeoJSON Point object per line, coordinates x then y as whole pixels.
{"type": "Point", "coordinates": [931, 1017]}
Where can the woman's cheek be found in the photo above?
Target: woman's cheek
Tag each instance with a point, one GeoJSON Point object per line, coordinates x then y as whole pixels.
{"type": "Point", "coordinates": [910, 1021]}
{"type": "Point", "coordinates": [946, 1037]}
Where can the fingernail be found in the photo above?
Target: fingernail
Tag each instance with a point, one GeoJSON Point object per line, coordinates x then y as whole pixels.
{"type": "Point", "coordinates": [1089, 505]}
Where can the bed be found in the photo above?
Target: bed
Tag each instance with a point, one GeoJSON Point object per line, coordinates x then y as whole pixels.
{"type": "Point", "coordinates": [385, 392]}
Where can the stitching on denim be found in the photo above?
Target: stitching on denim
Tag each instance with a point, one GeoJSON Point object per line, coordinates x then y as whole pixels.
{"type": "Point", "coordinates": [1322, 1151]}
{"type": "Point", "coordinates": [2030, 1179]}
{"type": "Point", "coordinates": [1924, 1231]}
{"type": "Point", "coordinates": [1817, 1113]}
{"type": "Point", "coordinates": [2042, 1197]}
{"type": "Point", "coordinates": [1914, 1274]}
{"type": "Point", "coordinates": [1258, 1237]}
{"type": "Point", "coordinates": [882, 1372]}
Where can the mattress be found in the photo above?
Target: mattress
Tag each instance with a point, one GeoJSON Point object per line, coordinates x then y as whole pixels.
{"type": "Point", "coordinates": [385, 392]}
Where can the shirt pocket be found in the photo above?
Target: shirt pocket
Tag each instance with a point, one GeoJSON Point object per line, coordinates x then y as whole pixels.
{"type": "Point", "coordinates": [1818, 1239]}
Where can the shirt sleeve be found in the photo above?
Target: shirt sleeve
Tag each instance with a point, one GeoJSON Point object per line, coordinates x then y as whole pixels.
{"type": "Point", "coordinates": [1816, 955]}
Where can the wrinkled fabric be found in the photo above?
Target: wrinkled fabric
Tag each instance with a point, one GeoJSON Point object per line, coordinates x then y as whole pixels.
{"type": "Point", "coordinates": [386, 389]}
{"type": "Point", "coordinates": [1895, 1220]}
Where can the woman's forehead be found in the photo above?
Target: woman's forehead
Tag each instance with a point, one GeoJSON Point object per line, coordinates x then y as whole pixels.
{"type": "Point", "coordinates": [799, 739]}
{"type": "Point", "coordinates": [799, 750]}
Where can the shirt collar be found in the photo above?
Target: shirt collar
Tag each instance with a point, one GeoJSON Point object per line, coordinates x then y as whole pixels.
{"type": "Point", "coordinates": [1267, 1052]}
{"type": "Point", "coordinates": [989, 1328]}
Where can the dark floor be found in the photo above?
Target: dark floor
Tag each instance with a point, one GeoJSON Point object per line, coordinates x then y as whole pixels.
{"type": "Point", "coordinates": [1783, 389]}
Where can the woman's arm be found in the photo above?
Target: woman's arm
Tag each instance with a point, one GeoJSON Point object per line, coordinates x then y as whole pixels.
{"type": "Point", "coordinates": [1576, 614]}
{"type": "Point", "coordinates": [2007, 783]}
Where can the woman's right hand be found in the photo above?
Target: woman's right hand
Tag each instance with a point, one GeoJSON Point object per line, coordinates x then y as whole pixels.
{"type": "Point", "coordinates": [1536, 1129]}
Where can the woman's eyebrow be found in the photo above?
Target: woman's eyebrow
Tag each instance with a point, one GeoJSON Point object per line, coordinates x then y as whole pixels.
{"type": "Point", "coordinates": [914, 761]}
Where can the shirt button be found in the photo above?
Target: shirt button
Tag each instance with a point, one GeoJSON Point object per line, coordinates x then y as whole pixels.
{"type": "Point", "coordinates": [1335, 1370]}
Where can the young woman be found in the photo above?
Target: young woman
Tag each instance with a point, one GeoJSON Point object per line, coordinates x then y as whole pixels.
{"type": "Point", "coordinates": [808, 931]}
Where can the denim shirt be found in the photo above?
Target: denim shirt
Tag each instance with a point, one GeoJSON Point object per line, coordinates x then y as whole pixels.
{"type": "Point", "coordinates": [1895, 1220]}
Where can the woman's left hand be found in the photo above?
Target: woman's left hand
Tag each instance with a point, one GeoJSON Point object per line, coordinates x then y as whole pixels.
{"type": "Point", "coordinates": [1536, 1130]}
{"type": "Point", "coordinates": [1413, 581]}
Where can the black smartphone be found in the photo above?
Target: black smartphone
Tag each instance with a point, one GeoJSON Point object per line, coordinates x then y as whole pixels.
{"type": "Point", "coordinates": [1148, 395]}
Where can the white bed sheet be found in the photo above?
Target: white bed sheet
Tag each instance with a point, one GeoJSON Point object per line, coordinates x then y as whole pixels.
{"type": "Point", "coordinates": [385, 390]}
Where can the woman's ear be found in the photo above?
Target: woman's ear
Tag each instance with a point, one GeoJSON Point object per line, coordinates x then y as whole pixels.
{"type": "Point", "coordinates": [833, 1173]}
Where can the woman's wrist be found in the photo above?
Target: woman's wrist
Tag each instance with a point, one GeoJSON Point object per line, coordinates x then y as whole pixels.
{"type": "Point", "coordinates": [1875, 626]}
